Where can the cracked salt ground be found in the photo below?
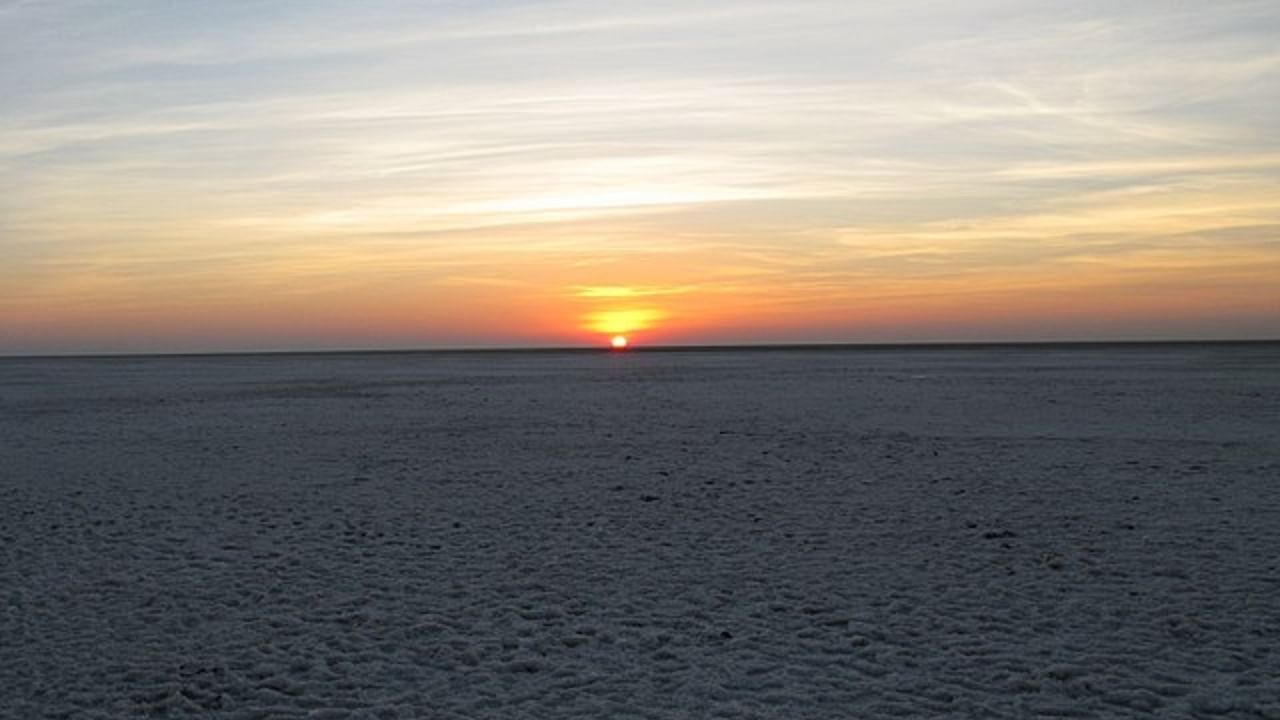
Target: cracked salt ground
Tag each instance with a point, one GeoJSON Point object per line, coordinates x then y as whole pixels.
{"type": "Point", "coordinates": [1087, 532]}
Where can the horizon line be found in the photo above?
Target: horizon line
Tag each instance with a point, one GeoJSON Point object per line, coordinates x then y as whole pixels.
{"type": "Point", "coordinates": [662, 348]}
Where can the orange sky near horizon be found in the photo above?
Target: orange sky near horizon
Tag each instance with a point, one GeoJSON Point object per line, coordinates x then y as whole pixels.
{"type": "Point", "coordinates": [1086, 305]}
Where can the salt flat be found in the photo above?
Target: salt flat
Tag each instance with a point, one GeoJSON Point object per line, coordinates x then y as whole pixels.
{"type": "Point", "coordinates": [967, 532]}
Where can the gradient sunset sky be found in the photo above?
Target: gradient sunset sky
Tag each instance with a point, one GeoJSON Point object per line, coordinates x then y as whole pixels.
{"type": "Point", "coordinates": [189, 176]}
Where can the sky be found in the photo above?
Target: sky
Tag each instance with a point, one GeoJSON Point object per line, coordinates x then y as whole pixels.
{"type": "Point", "coordinates": [181, 175]}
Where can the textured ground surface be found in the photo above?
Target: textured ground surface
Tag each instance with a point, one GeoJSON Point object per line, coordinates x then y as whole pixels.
{"type": "Point", "coordinates": [959, 533]}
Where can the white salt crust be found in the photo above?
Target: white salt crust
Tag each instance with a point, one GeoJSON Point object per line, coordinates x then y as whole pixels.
{"type": "Point", "coordinates": [967, 533]}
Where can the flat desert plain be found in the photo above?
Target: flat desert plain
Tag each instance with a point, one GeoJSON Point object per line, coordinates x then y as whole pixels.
{"type": "Point", "coordinates": [963, 532]}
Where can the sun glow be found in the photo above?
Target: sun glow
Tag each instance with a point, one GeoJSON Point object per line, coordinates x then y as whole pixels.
{"type": "Point", "coordinates": [620, 322]}
{"type": "Point", "coordinates": [618, 342]}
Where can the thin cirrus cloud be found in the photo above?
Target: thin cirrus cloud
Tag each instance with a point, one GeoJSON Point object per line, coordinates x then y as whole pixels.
{"type": "Point", "coordinates": [728, 171]}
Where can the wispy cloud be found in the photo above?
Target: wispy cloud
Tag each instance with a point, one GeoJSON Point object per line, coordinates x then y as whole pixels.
{"type": "Point", "coordinates": [626, 291]}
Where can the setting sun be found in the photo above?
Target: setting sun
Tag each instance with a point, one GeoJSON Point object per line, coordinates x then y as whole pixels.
{"type": "Point", "coordinates": [618, 342]}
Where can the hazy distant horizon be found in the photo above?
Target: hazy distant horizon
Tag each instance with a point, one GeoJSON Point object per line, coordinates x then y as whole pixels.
{"type": "Point", "coordinates": [687, 347]}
